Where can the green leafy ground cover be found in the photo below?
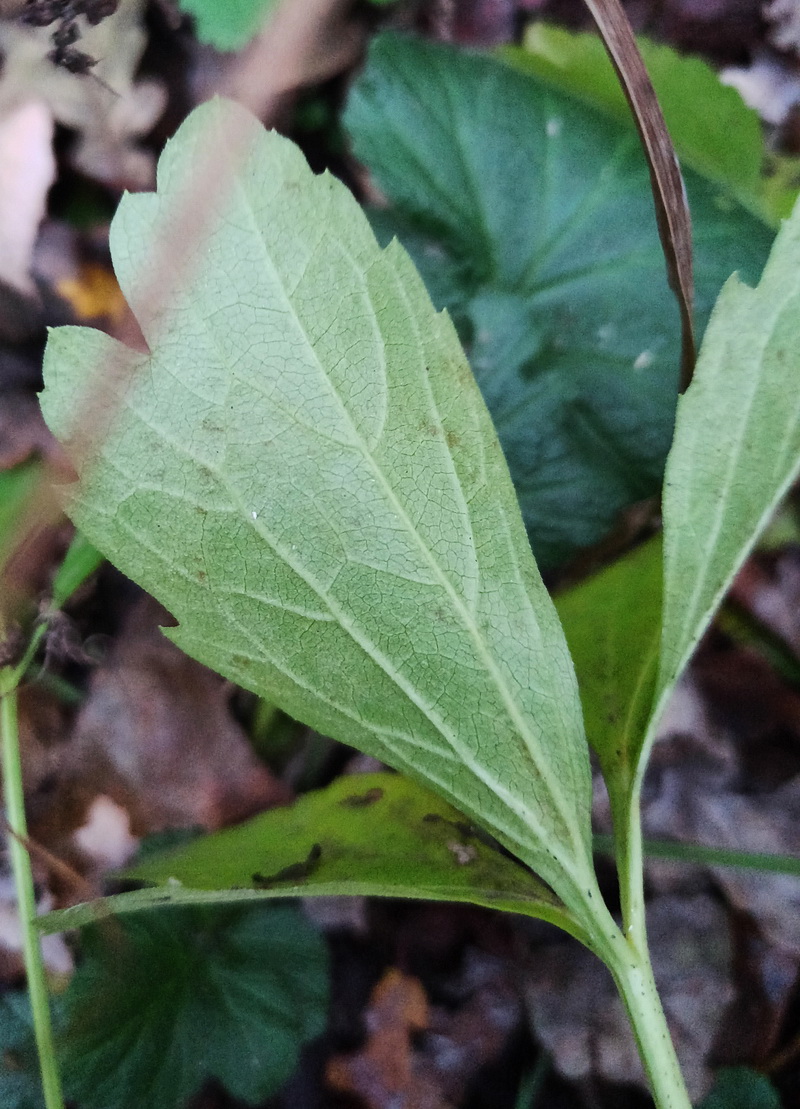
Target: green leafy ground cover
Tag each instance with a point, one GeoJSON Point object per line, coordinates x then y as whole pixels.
{"type": "Point", "coordinates": [300, 384]}
{"type": "Point", "coordinates": [168, 1000]}
{"type": "Point", "coordinates": [379, 586]}
{"type": "Point", "coordinates": [248, 984]}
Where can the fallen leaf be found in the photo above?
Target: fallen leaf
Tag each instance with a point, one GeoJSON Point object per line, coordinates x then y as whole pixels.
{"type": "Point", "coordinates": [94, 294]}
{"type": "Point", "coordinates": [107, 107]}
{"type": "Point", "coordinates": [768, 586]}
{"type": "Point", "coordinates": [728, 778]}
{"type": "Point", "coordinates": [784, 20]}
{"type": "Point", "coordinates": [768, 85]}
{"type": "Point", "coordinates": [156, 735]}
{"type": "Point", "coordinates": [27, 170]}
{"type": "Point", "coordinates": [23, 432]}
{"type": "Point", "coordinates": [106, 837]}
{"type": "Point", "coordinates": [462, 1040]}
{"type": "Point", "coordinates": [385, 1073]}
{"type": "Point", "coordinates": [57, 956]}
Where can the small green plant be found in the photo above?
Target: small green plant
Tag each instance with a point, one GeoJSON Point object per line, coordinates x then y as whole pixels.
{"type": "Point", "coordinates": [303, 471]}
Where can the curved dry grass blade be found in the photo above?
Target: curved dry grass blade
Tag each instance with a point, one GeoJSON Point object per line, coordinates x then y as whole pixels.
{"type": "Point", "coordinates": [669, 195]}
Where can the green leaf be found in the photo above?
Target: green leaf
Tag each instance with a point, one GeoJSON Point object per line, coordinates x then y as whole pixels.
{"type": "Point", "coordinates": [712, 128]}
{"type": "Point", "coordinates": [304, 473]}
{"type": "Point", "coordinates": [707, 856]}
{"type": "Point", "coordinates": [736, 449]}
{"type": "Point", "coordinates": [741, 1088]}
{"type": "Point", "coordinates": [374, 834]}
{"type": "Point", "coordinates": [530, 217]}
{"type": "Point", "coordinates": [168, 1000]}
{"type": "Point", "coordinates": [228, 24]}
{"type": "Point", "coordinates": [80, 562]}
{"type": "Point", "coordinates": [16, 487]}
{"type": "Point", "coordinates": [613, 627]}
{"type": "Point", "coordinates": [20, 1084]}
{"type": "Point", "coordinates": [379, 835]}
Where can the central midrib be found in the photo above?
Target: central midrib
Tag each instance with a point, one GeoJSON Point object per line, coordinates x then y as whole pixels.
{"type": "Point", "coordinates": [515, 715]}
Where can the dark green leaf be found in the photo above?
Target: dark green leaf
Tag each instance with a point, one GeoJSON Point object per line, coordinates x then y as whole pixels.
{"type": "Point", "coordinates": [20, 1084]}
{"type": "Point", "coordinates": [713, 129]}
{"type": "Point", "coordinates": [741, 1088]}
{"type": "Point", "coordinates": [666, 181]}
{"type": "Point", "coordinates": [168, 1000]}
{"type": "Point", "coordinates": [532, 220]}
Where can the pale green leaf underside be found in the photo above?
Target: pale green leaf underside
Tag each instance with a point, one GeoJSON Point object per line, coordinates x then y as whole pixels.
{"type": "Point", "coordinates": [304, 473]}
{"type": "Point", "coordinates": [736, 449]}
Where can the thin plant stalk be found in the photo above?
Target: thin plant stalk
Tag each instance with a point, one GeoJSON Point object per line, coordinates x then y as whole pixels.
{"type": "Point", "coordinates": [26, 900]}
{"type": "Point", "coordinates": [634, 974]}
{"type": "Point", "coordinates": [625, 952]}
{"type": "Point", "coordinates": [637, 988]}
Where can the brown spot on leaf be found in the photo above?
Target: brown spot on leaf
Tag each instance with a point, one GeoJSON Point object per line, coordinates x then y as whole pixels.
{"type": "Point", "coordinates": [295, 872]}
{"type": "Point", "coordinates": [362, 800]}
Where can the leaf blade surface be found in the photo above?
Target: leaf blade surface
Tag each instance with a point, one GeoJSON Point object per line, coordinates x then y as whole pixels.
{"type": "Point", "coordinates": [303, 471]}
{"type": "Point", "coordinates": [248, 982]}
{"type": "Point", "coordinates": [736, 449]}
{"type": "Point", "coordinates": [376, 835]}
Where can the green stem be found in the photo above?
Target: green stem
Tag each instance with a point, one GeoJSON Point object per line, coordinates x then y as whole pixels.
{"type": "Point", "coordinates": [629, 961]}
{"type": "Point", "coordinates": [635, 982]}
{"type": "Point", "coordinates": [630, 867]}
{"type": "Point", "coordinates": [626, 954]}
{"type": "Point", "coordinates": [26, 901]}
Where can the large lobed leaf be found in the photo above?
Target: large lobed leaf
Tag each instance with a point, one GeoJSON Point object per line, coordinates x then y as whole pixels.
{"type": "Point", "coordinates": [713, 129]}
{"type": "Point", "coordinates": [163, 1002]}
{"type": "Point", "coordinates": [530, 217]}
{"type": "Point", "coordinates": [304, 473]}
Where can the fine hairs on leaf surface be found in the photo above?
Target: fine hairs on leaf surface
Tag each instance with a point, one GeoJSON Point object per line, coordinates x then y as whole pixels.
{"type": "Point", "coordinates": [304, 473]}
{"type": "Point", "coordinates": [735, 453]}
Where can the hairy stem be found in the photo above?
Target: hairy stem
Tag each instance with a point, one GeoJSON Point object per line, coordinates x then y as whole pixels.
{"type": "Point", "coordinates": [26, 901]}
{"type": "Point", "coordinates": [626, 954]}
{"type": "Point", "coordinates": [634, 978]}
